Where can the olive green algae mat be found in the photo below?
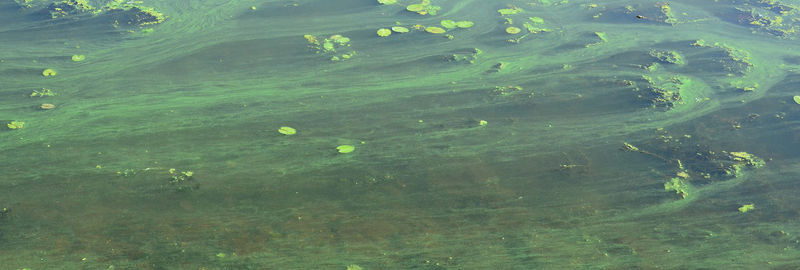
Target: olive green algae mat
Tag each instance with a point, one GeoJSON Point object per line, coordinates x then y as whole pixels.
{"type": "Point", "coordinates": [408, 134]}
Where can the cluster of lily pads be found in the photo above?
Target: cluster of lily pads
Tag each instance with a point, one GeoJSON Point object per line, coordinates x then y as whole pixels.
{"type": "Point", "coordinates": [533, 25]}
{"type": "Point", "coordinates": [424, 7]}
{"type": "Point", "coordinates": [335, 46]}
{"type": "Point", "coordinates": [446, 25]}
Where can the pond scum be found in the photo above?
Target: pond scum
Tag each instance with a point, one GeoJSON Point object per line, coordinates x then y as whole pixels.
{"type": "Point", "coordinates": [399, 134]}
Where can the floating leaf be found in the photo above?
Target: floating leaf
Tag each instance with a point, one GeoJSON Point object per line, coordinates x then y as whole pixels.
{"type": "Point", "coordinates": [797, 99]}
{"type": "Point", "coordinates": [464, 24]}
{"type": "Point", "coordinates": [287, 131]}
{"type": "Point", "coordinates": [400, 29]}
{"type": "Point", "coordinates": [449, 24]}
{"type": "Point", "coordinates": [48, 72]}
{"type": "Point", "coordinates": [345, 148]}
{"type": "Point", "coordinates": [387, 2]}
{"type": "Point", "coordinates": [536, 20]}
{"type": "Point", "coordinates": [509, 11]}
{"type": "Point", "coordinates": [78, 57]}
{"type": "Point", "coordinates": [513, 30]}
{"type": "Point", "coordinates": [383, 32]}
{"type": "Point", "coordinates": [415, 7]}
{"type": "Point", "coordinates": [435, 30]}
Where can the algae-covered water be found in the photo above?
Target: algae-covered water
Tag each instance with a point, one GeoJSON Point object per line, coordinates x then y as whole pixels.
{"type": "Point", "coordinates": [601, 135]}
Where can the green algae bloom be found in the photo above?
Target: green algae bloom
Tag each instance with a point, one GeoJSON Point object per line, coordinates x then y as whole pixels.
{"type": "Point", "coordinates": [678, 185]}
{"type": "Point", "coordinates": [345, 148]}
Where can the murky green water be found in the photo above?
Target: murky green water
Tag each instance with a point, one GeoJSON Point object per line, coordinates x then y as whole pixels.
{"type": "Point", "coordinates": [473, 149]}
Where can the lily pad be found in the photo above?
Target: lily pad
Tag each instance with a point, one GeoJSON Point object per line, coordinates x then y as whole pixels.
{"type": "Point", "coordinates": [797, 99]}
{"type": "Point", "coordinates": [78, 57]}
{"type": "Point", "coordinates": [513, 30]}
{"type": "Point", "coordinates": [287, 131]}
{"type": "Point", "coordinates": [383, 32]}
{"type": "Point", "coordinates": [435, 30]}
{"type": "Point", "coordinates": [387, 2]}
{"type": "Point", "coordinates": [464, 24]}
{"type": "Point", "coordinates": [400, 29]}
{"type": "Point", "coordinates": [345, 148]}
{"type": "Point", "coordinates": [509, 11]}
{"type": "Point", "coordinates": [48, 72]}
{"type": "Point", "coordinates": [415, 7]}
{"type": "Point", "coordinates": [449, 24]}
{"type": "Point", "coordinates": [536, 19]}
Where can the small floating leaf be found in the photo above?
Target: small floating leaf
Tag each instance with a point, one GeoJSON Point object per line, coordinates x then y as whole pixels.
{"type": "Point", "coordinates": [78, 57]}
{"type": "Point", "coordinates": [536, 20]}
{"type": "Point", "coordinates": [345, 148]}
{"type": "Point", "coordinates": [400, 29]}
{"type": "Point", "coordinates": [287, 131]}
{"type": "Point", "coordinates": [464, 24]}
{"type": "Point", "coordinates": [435, 30]}
{"type": "Point", "coordinates": [797, 99]}
{"type": "Point", "coordinates": [449, 24]}
{"type": "Point", "coordinates": [383, 32]}
{"type": "Point", "coordinates": [48, 72]}
{"type": "Point", "coordinates": [387, 2]}
{"type": "Point", "coordinates": [513, 30]}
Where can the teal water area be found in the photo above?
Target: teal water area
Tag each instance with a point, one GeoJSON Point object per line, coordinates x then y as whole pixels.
{"type": "Point", "coordinates": [473, 149]}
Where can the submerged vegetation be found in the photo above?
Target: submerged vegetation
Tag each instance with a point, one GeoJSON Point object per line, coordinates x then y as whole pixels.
{"type": "Point", "coordinates": [114, 12]}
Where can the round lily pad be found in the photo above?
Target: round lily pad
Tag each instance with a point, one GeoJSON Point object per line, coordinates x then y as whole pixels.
{"type": "Point", "coordinates": [287, 131]}
{"type": "Point", "coordinates": [345, 148]}
{"type": "Point", "coordinates": [464, 24]}
{"type": "Point", "coordinates": [797, 99]}
{"type": "Point", "coordinates": [387, 2]}
{"type": "Point", "coordinates": [400, 29]}
{"type": "Point", "coordinates": [449, 24]}
{"type": "Point", "coordinates": [78, 57]}
{"type": "Point", "coordinates": [383, 32]}
{"type": "Point", "coordinates": [435, 30]}
{"type": "Point", "coordinates": [513, 30]}
{"type": "Point", "coordinates": [48, 72]}
{"type": "Point", "coordinates": [415, 7]}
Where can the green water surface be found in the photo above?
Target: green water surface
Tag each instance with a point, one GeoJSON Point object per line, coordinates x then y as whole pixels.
{"type": "Point", "coordinates": [473, 149]}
